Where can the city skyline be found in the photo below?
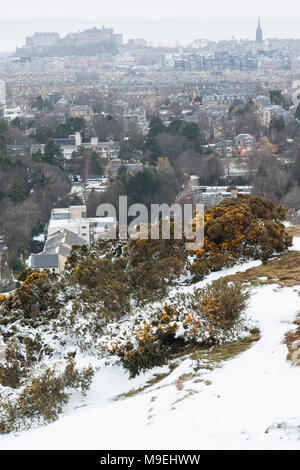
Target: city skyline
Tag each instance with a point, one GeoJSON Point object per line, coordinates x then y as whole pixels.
{"type": "Point", "coordinates": [160, 31]}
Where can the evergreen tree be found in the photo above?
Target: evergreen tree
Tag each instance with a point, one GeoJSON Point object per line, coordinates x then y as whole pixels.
{"type": "Point", "coordinates": [52, 154]}
{"type": "Point", "coordinates": [17, 192]}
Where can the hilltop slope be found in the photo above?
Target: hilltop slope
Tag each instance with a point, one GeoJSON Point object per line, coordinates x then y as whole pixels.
{"type": "Point", "coordinates": [249, 401]}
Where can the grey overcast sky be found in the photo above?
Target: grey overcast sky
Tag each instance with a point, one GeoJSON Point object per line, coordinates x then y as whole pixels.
{"type": "Point", "coordinates": [157, 21]}
{"type": "Point", "coordinates": [88, 9]}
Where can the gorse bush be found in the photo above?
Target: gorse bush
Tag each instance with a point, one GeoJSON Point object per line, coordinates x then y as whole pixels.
{"type": "Point", "coordinates": [222, 302]}
{"type": "Point", "coordinates": [105, 283]}
{"type": "Point", "coordinates": [147, 343]}
{"type": "Point", "coordinates": [142, 269]}
{"type": "Point", "coordinates": [209, 316]}
{"type": "Point", "coordinates": [246, 227]}
{"type": "Point", "coordinates": [152, 265]}
{"type": "Point", "coordinates": [35, 302]}
{"type": "Point", "coordinates": [12, 370]}
{"type": "Point", "coordinates": [43, 399]}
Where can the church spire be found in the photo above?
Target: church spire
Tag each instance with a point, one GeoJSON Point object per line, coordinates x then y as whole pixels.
{"type": "Point", "coordinates": [259, 35]}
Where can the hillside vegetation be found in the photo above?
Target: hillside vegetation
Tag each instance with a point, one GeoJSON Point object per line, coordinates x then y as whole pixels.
{"type": "Point", "coordinates": [121, 300]}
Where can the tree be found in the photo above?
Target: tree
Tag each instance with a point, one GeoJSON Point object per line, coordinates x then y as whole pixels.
{"type": "Point", "coordinates": [156, 126]}
{"type": "Point", "coordinates": [43, 134]}
{"type": "Point", "coordinates": [276, 97]}
{"type": "Point", "coordinates": [3, 126]}
{"type": "Point", "coordinates": [52, 154]}
{"type": "Point", "coordinates": [87, 163]}
{"type": "Point", "coordinates": [272, 179]}
{"type": "Point", "coordinates": [38, 103]}
{"type": "Point", "coordinates": [3, 147]}
{"type": "Point", "coordinates": [292, 198]}
{"type": "Point", "coordinates": [278, 124]}
{"type": "Point", "coordinates": [17, 192]}
{"type": "Point", "coordinates": [71, 126]}
{"type": "Point", "coordinates": [248, 122]}
{"type": "Point", "coordinates": [16, 122]}
{"type": "Point", "coordinates": [210, 170]}
{"type": "Point", "coordinates": [190, 130]}
{"type": "Point", "coordinates": [42, 105]}
{"type": "Point", "coordinates": [152, 149]}
{"type": "Point", "coordinates": [296, 167]}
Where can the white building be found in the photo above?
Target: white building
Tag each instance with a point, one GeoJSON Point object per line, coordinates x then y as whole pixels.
{"type": "Point", "coordinates": [75, 220]}
{"type": "Point", "coordinates": [11, 113]}
{"type": "Point", "coordinates": [273, 111]}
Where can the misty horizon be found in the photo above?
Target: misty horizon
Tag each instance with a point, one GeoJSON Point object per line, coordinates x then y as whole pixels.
{"type": "Point", "coordinates": [165, 31]}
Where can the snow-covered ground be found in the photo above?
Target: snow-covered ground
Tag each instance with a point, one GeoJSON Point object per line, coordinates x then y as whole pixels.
{"type": "Point", "coordinates": [251, 401]}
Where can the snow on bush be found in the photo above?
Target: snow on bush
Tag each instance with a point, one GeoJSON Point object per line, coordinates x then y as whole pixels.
{"type": "Point", "coordinates": [209, 316]}
{"type": "Point", "coordinates": [241, 228]}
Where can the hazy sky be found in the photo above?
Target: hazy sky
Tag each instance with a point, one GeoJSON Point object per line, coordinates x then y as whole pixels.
{"type": "Point", "coordinates": [157, 21]}
{"type": "Point", "coordinates": [89, 9]}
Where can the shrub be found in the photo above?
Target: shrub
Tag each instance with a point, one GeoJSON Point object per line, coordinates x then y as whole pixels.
{"type": "Point", "coordinates": [24, 274]}
{"type": "Point", "coordinates": [152, 265]}
{"type": "Point", "coordinates": [43, 399]}
{"type": "Point", "coordinates": [209, 316]}
{"type": "Point", "coordinates": [246, 227]}
{"type": "Point", "coordinates": [148, 343]}
{"type": "Point", "coordinates": [12, 368]}
{"type": "Point", "coordinates": [34, 302]}
{"type": "Point", "coordinates": [103, 283]}
{"type": "Point", "coordinates": [222, 302]}
{"type": "Point", "coordinates": [76, 255]}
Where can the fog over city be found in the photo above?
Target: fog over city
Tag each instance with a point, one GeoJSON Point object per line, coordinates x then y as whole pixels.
{"type": "Point", "coordinates": [164, 22]}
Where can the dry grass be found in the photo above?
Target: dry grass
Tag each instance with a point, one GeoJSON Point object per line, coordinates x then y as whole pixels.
{"type": "Point", "coordinates": [290, 338]}
{"type": "Point", "coordinates": [284, 271]}
{"type": "Point", "coordinates": [294, 230]}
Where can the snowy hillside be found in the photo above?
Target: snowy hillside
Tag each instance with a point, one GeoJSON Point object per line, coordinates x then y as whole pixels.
{"type": "Point", "coordinates": [250, 401]}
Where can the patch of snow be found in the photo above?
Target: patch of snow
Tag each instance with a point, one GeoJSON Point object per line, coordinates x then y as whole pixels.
{"type": "Point", "coordinates": [250, 402]}
{"type": "Point", "coordinates": [296, 244]}
{"type": "Point", "coordinates": [39, 238]}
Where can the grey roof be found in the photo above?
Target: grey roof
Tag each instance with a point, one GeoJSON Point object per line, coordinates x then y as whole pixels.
{"type": "Point", "coordinates": [224, 143]}
{"type": "Point", "coordinates": [210, 199]}
{"type": "Point", "coordinates": [62, 237]}
{"type": "Point", "coordinates": [44, 260]}
{"type": "Point", "coordinates": [245, 136]}
{"type": "Point", "coordinates": [57, 244]}
{"type": "Point", "coordinates": [64, 251]}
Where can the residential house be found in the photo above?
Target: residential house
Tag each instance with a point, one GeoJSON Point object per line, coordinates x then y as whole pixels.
{"type": "Point", "coordinates": [225, 148]}
{"type": "Point", "coordinates": [213, 195]}
{"type": "Point", "coordinates": [56, 251]}
{"type": "Point", "coordinates": [11, 113]}
{"type": "Point", "coordinates": [74, 219]}
{"type": "Point", "coordinates": [273, 111]}
{"type": "Point", "coordinates": [244, 143]}
{"type": "Point", "coordinates": [82, 111]}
